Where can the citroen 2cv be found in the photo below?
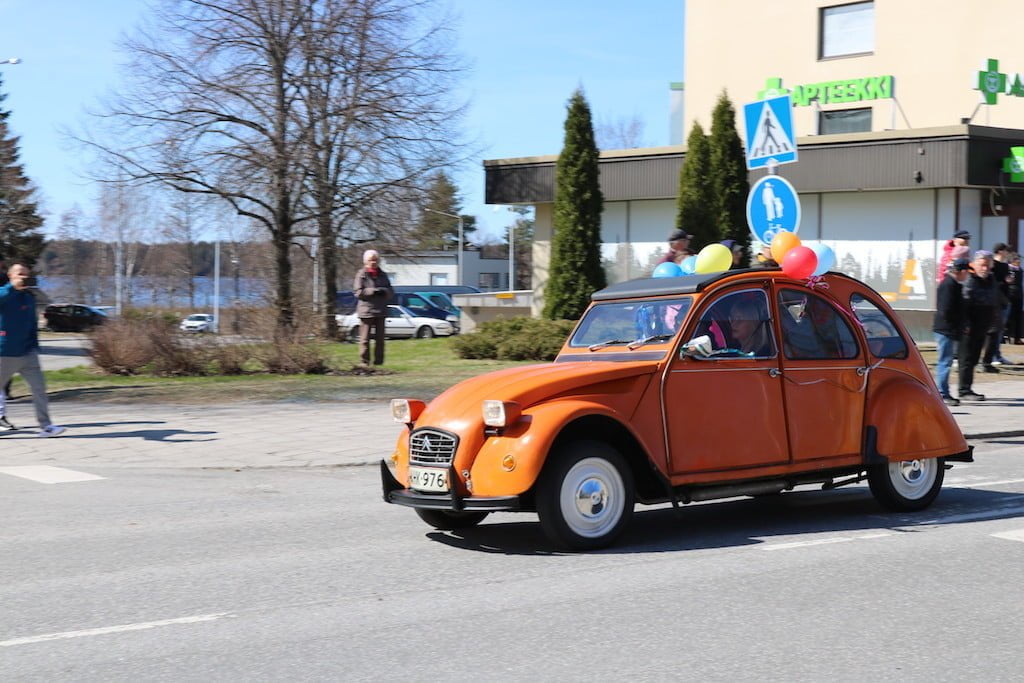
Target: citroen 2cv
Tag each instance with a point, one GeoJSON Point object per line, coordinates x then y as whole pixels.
{"type": "Point", "coordinates": [685, 389]}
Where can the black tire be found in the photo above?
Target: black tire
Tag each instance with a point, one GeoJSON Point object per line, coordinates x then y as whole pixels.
{"type": "Point", "coordinates": [585, 496]}
{"type": "Point", "coordinates": [447, 520]}
{"type": "Point", "coordinates": [425, 332]}
{"type": "Point", "coordinates": [908, 485]}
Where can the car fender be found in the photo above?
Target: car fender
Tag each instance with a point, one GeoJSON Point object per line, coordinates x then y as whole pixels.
{"type": "Point", "coordinates": [912, 421]}
{"type": "Point", "coordinates": [528, 442]}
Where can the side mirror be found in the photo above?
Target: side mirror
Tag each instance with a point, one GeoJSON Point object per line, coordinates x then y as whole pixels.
{"type": "Point", "coordinates": [698, 347]}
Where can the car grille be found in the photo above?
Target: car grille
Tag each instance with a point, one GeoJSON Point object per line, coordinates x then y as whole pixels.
{"type": "Point", "coordinates": [432, 447]}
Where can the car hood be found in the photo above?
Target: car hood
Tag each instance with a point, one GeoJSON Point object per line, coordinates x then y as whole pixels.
{"type": "Point", "coordinates": [459, 407]}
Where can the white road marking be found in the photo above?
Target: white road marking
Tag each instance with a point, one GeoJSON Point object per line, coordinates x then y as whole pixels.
{"type": "Point", "coordinates": [976, 484]}
{"type": "Point", "coordinates": [821, 541]}
{"type": "Point", "coordinates": [972, 516]}
{"type": "Point", "coordinates": [1017, 535]}
{"type": "Point", "coordinates": [45, 474]}
{"type": "Point", "coordinates": [141, 626]}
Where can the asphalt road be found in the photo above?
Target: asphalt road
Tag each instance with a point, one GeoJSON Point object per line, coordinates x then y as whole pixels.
{"type": "Point", "coordinates": [304, 574]}
{"type": "Point", "coordinates": [65, 352]}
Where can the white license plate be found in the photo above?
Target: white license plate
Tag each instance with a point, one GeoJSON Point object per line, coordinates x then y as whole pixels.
{"type": "Point", "coordinates": [428, 479]}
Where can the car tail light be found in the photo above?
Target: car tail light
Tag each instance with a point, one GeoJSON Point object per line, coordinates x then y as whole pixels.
{"type": "Point", "coordinates": [500, 413]}
{"type": "Point", "coordinates": [406, 410]}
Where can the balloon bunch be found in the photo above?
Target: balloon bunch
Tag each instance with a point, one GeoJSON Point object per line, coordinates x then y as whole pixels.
{"type": "Point", "coordinates": [801, 261]}
{"type": "Point", "coordinates": [713, 258]}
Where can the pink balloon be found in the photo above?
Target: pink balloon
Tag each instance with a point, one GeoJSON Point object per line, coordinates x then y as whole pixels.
{"type": "Point", "coordinates": [799, 262]}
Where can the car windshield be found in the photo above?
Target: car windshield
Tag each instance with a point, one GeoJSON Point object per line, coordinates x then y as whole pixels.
{"type": "Point", "coordinates": [197, 317]}
{"type": "Point", "coordinates": [623, 322]}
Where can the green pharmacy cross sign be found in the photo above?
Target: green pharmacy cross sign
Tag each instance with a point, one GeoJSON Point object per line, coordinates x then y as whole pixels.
{"type": "Point", "coordinates": [992, 82]}
{"type": "Point", "coordinates": [831, 92]}
{"type": "Point", "coordinates": [1014, 164]}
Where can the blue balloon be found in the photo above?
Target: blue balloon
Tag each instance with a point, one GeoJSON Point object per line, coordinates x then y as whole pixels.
{"type": "Point", "coordinates": [826, 257]}
{"type": "Point", "coordinates": [668, 269]}
{"type": "Point", "coordinates": [689, 265]}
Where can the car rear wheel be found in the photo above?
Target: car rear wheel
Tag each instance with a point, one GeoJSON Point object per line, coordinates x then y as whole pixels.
{"type": "Point", "coordinates": [907, 485]}
{"type": "Point", "coordinates": [447, 520]}
{"type": "Point", "coordinates": [425, 332]}
{"type": "Point", "coordinates": [585, 496]}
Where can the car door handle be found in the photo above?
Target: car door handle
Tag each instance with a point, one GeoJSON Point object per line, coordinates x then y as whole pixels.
{"type": "Point", "coordinates": [774, 372]}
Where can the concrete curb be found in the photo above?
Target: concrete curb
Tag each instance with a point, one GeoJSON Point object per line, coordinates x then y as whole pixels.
{"type": "Point", "coordinates": [994, 435]}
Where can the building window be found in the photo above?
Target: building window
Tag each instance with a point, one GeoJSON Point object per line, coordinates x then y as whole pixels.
{"type": "Point", "coordinates": [490, 281]}
{"type": "Point", "coordinates": [439, 278]}
{"type": "Point", "coordinates": [844, 121]}
{"type": "Point", "coordinates": [846, 30]}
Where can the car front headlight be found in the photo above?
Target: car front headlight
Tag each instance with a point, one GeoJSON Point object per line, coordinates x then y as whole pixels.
{"type": "Point", "coordinates": [452, 319]}
{"type": "Point", "coordinates": [500, 413]}
{"type": "Point", "coordinates": [406, 410]}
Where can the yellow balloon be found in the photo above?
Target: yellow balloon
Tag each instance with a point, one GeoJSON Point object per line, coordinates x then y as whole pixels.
{"type": "Point", "coordinates": [713, 258]}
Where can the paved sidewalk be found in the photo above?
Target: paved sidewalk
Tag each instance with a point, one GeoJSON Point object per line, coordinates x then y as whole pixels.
{"type": "Point", "coordinates": [301, 435]}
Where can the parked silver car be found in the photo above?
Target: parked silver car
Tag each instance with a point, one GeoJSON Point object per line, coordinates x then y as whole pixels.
{"type": "Point", "coordinates": [400, 322]}
{"type": "Point", "coordinates": [197, 322]}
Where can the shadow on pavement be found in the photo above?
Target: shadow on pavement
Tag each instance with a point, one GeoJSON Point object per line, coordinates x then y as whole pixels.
{"type": "Point", "coordinates": [162, 435]}
{"type": "Point", "coordinates": [86, 392]}
{"type": "Point", "coordinates": [750, 521]}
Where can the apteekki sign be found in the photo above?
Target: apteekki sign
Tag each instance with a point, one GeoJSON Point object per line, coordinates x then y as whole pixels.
{"type": "Point", "coordinates": [992, 82]}
{"type": "Point", "coordinates": [831, 92]}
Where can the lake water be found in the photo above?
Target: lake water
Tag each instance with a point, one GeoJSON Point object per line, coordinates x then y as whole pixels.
{"type": "Point", "coordinates": [149, 291]}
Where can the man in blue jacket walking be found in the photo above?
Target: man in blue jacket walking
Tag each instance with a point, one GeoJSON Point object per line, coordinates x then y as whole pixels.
{"type": "Point", "coordinates": [19, 346]}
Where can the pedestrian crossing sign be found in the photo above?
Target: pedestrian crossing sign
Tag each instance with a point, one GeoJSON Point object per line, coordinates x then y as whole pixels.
{"type": "Point", "coordinates": [769, 129]}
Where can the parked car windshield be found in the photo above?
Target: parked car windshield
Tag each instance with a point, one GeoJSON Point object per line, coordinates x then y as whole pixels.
{"type": "Point", "coordinates": [622, 322]}
{"type": "Point", "coordinates": [199, 317]}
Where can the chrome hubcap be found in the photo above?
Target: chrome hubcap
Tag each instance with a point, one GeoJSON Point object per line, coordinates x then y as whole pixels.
{"type": "Point", "coordinates": [913, 478]}
{"type": "Point", "coordinates": [592, 498]}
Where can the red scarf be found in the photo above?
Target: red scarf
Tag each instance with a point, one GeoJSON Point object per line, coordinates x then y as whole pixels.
{"type": "Point", "coordinates": [372, 272]}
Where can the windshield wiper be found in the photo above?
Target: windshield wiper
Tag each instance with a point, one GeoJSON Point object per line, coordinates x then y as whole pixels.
{"type": "Point", "coordinates": [646, 340]}
{"type": "Point", "coordinates": [604, 344]}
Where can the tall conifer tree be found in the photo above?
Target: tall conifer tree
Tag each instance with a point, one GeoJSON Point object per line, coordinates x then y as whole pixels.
{"type": "Point", "coordinates": [20, 239]}
{"type": "Point", "coordinates": [695, 204]}
{"type": "Point", "coordinates": [729, 175]}
{"type": "Point", "coordinates": [576, 270]}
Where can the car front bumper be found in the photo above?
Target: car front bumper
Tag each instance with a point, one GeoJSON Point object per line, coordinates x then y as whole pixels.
{"type": "Point", "coordinates": [397, 494]}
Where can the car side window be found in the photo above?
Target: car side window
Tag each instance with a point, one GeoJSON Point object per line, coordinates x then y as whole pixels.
{"type": "Point", "coordinates": [394, 312]}
{"type": "Point", "coordinates": [416, 301]}
{"type": "Point", "coordinates": [884, 340]}
{"type": "Point", "coordinates": [812, 328]}
{"type": "Point", "coordinates": [739, 326]}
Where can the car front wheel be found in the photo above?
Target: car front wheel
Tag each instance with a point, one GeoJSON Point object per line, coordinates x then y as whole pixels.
{"type": "Point", "coordinates": [425, 332]}
{"type": "Point", "coordinates": [907, 485]}
{"type": "Point", "coordinates": [585, 496]}
{"type": "Point", "coordinates": [446, 520]}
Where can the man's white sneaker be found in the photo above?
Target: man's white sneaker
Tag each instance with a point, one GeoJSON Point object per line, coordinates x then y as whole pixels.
{"type": "Point", "coordinates": [998, 362]}
{"type": "Point", "coordinates": [52, 430]}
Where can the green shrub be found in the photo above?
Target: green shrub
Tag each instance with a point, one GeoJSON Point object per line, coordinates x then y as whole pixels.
{"type": "Point", "coordinates": [514, 339]}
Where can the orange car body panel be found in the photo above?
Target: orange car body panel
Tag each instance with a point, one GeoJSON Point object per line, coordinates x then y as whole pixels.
{"type": "Point", "coordinates": [694, 426]}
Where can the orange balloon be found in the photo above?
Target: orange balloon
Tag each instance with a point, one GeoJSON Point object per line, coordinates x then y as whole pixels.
{"type": "Point", "coordinates": [782, 243]}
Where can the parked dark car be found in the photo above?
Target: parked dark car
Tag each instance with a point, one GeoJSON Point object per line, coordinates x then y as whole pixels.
{"type": "Point", "coordinates": [72, 317]}
{"type": "Point", "coordinates": [444, 289]}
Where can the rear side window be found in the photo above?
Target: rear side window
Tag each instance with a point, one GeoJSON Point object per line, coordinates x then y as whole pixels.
{"type": "Point", "coordinates": [884, 340]}
{"type": "Point", "coordinates": [812, 328]}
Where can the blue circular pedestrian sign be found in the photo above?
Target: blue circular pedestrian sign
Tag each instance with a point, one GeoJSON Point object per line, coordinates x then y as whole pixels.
{"type": "Point", "coordinates": [772, 206]}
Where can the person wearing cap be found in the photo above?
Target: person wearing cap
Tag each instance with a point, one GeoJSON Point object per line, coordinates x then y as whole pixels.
{"type": "Point", "coordinates": [948, 324]}
{"type": "Point", "coordinates": [980, 301]}
{"type": "Point", "coordinates": [678, 242]}
{"type": "Point", "coordinates": [961, 238]}
{"type": "Point", "coordinates": [1001, 277]}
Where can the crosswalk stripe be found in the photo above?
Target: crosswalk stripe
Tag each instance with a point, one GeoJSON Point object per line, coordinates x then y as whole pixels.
{"type": "Point", "coordinates": [1017, 535]}
{"type": "Point", "coordinates": [45, 474]}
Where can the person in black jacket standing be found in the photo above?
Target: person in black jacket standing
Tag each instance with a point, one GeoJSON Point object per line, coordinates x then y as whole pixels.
{"type": "Point", "coordinates": [372, 288]}
{"type": "Point", "coordinates": [949, 323]}
{"type": "Point", "coordinates": [1001, 278]}
{"type": "Point", "coordinates": [981, 299]}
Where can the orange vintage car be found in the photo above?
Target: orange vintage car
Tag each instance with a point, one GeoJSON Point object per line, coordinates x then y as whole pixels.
{"type": "Point", "coordinates": [685, 389]}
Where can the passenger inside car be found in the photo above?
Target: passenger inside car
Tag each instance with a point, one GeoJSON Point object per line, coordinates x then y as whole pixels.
{"type": "Point", "coordinates": [748, 323]}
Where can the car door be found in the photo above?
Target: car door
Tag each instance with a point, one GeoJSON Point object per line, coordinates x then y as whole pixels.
{"type": "Point", "coordinates": [398, 323]}
{"type": "Point", "coordinates": [823, 369]}
{"type": "Point", "coordinates": [725, 411]}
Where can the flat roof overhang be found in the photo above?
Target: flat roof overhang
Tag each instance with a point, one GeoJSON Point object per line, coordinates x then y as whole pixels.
{"type": "Point", "coordinates": [951, 156]}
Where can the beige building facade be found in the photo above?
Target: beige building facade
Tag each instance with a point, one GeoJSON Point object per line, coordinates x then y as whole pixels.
{"type": "Point", "coordinates": [911, 63]}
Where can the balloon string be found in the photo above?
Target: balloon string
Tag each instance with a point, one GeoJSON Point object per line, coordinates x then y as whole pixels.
{"type": "Point", "coordinates": [816, 282]}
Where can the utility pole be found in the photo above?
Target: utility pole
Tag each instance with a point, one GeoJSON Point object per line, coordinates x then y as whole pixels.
{"type": "Point", "coordinates": [216, 286]}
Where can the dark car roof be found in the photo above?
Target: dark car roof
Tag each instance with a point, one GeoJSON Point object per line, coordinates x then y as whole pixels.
{"type": "Point", "coordinates": [687, 284]}
{"type": "Point", "coordinates": [442, 289]}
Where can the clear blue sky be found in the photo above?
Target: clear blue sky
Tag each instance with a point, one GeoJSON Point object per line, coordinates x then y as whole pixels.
{"type": "Point", "coordinates": [526, 56]}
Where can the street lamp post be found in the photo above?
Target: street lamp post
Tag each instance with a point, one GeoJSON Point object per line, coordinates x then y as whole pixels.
{"type": "Point", "coordinates": [458, 274]}
{"type": "Point", "coordinates": [12, 60]}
